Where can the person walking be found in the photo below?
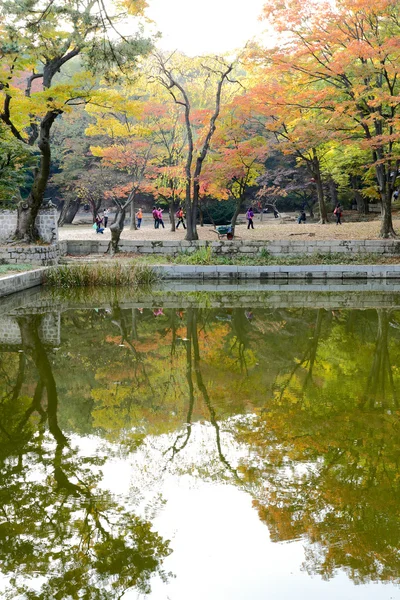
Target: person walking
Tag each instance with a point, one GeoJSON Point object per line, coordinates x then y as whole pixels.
{"type": "Point", "coordinates": [249, 217]}
{"type": "Point", "coordinates": [179, 215]}
{"type": "Point", "coordinates": [139, 216]}
{"type": "Point", "coordinates": [160, 219]}
{"type": "Point", "coordinates": [106, 214]}
{"type": "Point", "coordinates": [155, 217]}
{"type": "Point", "coordinates": [338, 213]}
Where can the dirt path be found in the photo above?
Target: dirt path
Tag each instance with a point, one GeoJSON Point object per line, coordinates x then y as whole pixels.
{"type": "Point", "coordinates": [269, 229]}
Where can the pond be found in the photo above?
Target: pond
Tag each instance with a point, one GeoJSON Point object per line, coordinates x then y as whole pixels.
{"type": "Point", "coordinates": [200, 445]}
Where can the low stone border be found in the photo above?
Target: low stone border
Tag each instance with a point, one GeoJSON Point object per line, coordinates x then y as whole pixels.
{"type": "Point", "coordinates": [279, 275]}
{"type": "Point", "coordinates": [307, 272]}
{"type": "Point", "coordinates": [239, 247]}
{"type": "Point", "coordinates": [21, 281]}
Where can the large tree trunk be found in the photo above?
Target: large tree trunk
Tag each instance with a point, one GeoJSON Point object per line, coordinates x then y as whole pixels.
{"type": "Point", "coordinates": [323, 215]}
{"type": "Point", "coordinates": [192, 218]}
{"type": "Point", "coordinates": [362, 203]}
{"type": "Point", "coordinates": [171, 209]}
{"type": "Point", "coordinates": [68, 212]}
{"type": "Point", "coordinates": [333, 191]}
{"type": "Point", "coordinates": [116, 229]}
{"type": "Point", "coordinates": [28, 209]}
{"type": "Point", "coordinates": [191, 233]}
{"type": "Point", "coordinates": [237, 211]}
{"type": "Point", "coordinates": [387, 230]}
{"type": "Point", "coordinates": [386, 190]}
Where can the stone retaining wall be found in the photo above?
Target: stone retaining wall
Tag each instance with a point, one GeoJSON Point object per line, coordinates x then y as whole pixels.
{"type": "Point", "coordinates": [40, 255]}
{"type": "Point", "coordinates": [46, 223]}
{"type": "Point", "coordinates": [238, 247]}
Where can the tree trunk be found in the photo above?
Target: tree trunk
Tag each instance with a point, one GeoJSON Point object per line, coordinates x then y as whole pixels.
{"type": "Point", "coordinates": [333, 192]}
{"type": "Point", "coordinates": [191, 232]}
{"type": "Point", "coordinates": [386, 191]}
{"type": "Point", "coordinates": [387, 230]}
{"type": "Point", "coordinates": [133, 217]}
{"type": "Point", "coordinates": [323, 215]}
{"type": "Point", "coordinates": [28, 209]}
{"type": "Point", "coordinates": [362, 203]}
{"type": "Point", "coordinates": [201, 215]}
{"type": "Point", "coordinates": [68, 212]}
{"type": "Point", "coordinates": [171, 210]}
{"type": "Point", "coordinates": [116, 229]}
{"type": "Point", "coordinates": [237, 211]}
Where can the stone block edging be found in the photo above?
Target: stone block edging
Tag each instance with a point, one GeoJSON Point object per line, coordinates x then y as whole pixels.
{"type": "Point", "coordinates": [21, 281]}
{"type": "Point", "coordinates": [304, 272]}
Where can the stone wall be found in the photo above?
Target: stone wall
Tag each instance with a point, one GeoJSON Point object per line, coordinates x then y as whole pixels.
{"type": "Point", "coordinates": [46, 223]}
{"type": "Point", "coordinates": [36, 255]}
{"type": "Point", "coordinates": [238, 247]}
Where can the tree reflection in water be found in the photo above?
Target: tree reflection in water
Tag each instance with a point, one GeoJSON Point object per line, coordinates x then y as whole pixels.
{"type": "Point", "coordinates": [320, 459]}
{"type": "Point", "coordinates": [328, 454]}
{"type": "Point", "coordinates": [57, 525]}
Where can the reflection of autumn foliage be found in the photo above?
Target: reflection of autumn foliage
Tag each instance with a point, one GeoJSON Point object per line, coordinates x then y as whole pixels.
{"type": "Point", "coordinates": [326, 454]}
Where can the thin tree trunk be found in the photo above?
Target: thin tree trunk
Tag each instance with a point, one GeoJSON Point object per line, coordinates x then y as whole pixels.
{"type": "Point", "coordinates": [323, 215]}
{"type": "Point", "coordinates": [201, 215]}
{"type": "Point", "coordinates": [133, 216]}
{"type": "Point", "coordinates": [171, 210]}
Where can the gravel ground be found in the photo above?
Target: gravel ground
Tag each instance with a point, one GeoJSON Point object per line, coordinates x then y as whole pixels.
{"type": "Point", "coordinates": [269, 229]}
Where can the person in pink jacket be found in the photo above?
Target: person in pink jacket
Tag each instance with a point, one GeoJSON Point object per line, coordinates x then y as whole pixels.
{"type": "Point", "coordinates": [160, 219]}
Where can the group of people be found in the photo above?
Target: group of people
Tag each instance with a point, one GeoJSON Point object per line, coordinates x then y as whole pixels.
{"type": "Point", "coordinates": [101, 222]}
{"type": "Point", "coordinates": [158, 217]}
{"type": "Point", "coordinates": [337, 212]}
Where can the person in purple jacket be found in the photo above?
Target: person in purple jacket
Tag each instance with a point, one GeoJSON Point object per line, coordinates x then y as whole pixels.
{"type": "Point", "coordinates": [249, 217]}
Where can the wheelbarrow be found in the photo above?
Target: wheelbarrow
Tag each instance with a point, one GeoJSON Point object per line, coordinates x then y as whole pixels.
{"type": "Point", "coordinates": [224, 230]}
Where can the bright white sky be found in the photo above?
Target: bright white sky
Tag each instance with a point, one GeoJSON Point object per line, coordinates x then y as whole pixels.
{"type": "Point", "coordinates": [205, 26]}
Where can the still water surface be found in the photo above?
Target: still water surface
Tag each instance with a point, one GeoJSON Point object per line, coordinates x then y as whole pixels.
{"type": "Point", "coordinates": [236, 452]}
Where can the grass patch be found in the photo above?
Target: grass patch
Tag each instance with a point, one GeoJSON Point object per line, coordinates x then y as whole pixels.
{"type": "Point", "coordinates": [100, 274]}
{"type": "Point", "coordinates": [201, 256]}
{"type": "Point", "coordinates": [6, 269]}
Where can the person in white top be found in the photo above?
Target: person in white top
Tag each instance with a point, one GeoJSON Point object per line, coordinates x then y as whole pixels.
{"type": "Point", "coordinates": [106, 213]}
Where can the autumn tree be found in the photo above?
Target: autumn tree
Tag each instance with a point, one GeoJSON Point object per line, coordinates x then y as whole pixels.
{"type": "Point", "coordinates": [345, 59]}
{"type": "Point", "coordinates": [37, 40]}
{"type": "Point", "coordinates": [236, 160]}
{"type": "Point", "coordinates": [216, 72]}
{"type": "Point", "coordinates": [287, 182]}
